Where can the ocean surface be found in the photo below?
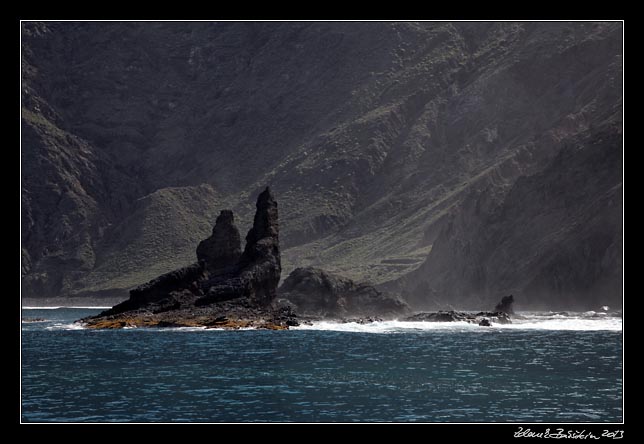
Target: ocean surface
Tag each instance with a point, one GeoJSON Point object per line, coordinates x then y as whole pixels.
{"type": "Point", "coordinates": [545, 368]}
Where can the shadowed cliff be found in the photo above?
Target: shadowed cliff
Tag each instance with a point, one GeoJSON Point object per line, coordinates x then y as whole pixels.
{"type": "Point", "coordinates": [395, 148]}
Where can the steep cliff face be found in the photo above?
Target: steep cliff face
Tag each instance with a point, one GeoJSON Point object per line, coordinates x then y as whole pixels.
{"type": "Point", "coordinates": [554, 238]}
{"type": "Point", "coordinates": [71, 194]}
{"type": "Point", "coordinates": [373, 134]}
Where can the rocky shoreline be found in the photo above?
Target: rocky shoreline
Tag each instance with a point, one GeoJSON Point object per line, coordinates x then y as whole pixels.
{"type": "Point", "coordinates": [483, 318]}
{"type": "Point", "coordinates": [225, 315]}
{"type": "Point", "coordinates": [231, 288]}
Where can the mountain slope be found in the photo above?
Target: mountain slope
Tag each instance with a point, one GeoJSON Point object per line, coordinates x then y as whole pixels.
{"type": "Point", "coordinates": [372, 135]}
{"type": "Point", "coordinates": [555, 237]}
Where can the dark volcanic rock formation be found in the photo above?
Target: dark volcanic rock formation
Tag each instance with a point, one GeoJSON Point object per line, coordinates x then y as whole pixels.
{"type": "Point", "coordinates": [261, 257]}
{"type": "Point", "coordinates": [159, 288]}
{"type": "Point", "coordinates": [506, 305]}
{"type": "Point", "coordinates": [316, 292]}
{"type": "Point", "coordinates": [224, 289]}
{"type": "Point", "coordinates": [258, 272]}
{"type": "Point", "coordinates": [223, 248]}
{"type": "Point", "coordinates": [484, 318]}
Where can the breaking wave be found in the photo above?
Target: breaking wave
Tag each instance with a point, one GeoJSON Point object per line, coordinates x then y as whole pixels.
{"type": "Point", "coordinates": [589, 321]}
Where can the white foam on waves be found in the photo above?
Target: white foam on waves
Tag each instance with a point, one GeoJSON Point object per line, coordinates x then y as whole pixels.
{"type": "Point", "coordinates": [555, 322]}
{"type": "Point", "coordinates": [65, 326]}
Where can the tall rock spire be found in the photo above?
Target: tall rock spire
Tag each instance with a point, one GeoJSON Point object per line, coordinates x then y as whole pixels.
{"type": "Point", "coordinates": [265, 226]}
{"type": "Point", "coordinates": [223, 273]}
{"type": "Point", "coordinates": [261, 256]}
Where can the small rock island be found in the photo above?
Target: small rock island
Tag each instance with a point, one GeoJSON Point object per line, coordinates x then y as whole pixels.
{"type": "Point", "coordinates": [226, 288]}
{"type": "Point", "coordinates": [232, 288]}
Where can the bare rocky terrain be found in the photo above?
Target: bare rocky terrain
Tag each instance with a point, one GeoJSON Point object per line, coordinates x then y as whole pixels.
{"type": "Point", "coordinates": [450, 163]}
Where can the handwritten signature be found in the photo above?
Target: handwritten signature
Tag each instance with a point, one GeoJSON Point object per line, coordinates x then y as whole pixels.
{"type": "Point", "coordinates": [568, 434]}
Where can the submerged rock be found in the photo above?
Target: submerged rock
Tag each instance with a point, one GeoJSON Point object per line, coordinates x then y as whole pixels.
{"type": "Point", "coordinates": [316, 292]}
{"type": "Point", "coordinates": [225, 288]}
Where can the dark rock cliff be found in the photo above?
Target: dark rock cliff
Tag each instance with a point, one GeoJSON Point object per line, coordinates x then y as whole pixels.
{"type": "Point", "coordinates": [223, 248]}
{"type": "Point", "coordinates": [555, 237]}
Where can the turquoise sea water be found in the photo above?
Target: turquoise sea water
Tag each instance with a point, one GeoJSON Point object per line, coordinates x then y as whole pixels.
{"type": "Point", "coordinates": [548, 368]}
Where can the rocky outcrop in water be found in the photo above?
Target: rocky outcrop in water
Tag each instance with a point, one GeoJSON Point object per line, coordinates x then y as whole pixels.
{"type": "Point", "coordinates": [484, 318]}
{"type": "Point", "coordinates": [225, 288]}
{"type": "Point", "coordinates": [505, 305]}
{"type": "Point", "coordinates": [316, 292]}
{"type": "Point", "coordinates": [30, 320]}
{"type": "Point", "coordinates": [501, 315]}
